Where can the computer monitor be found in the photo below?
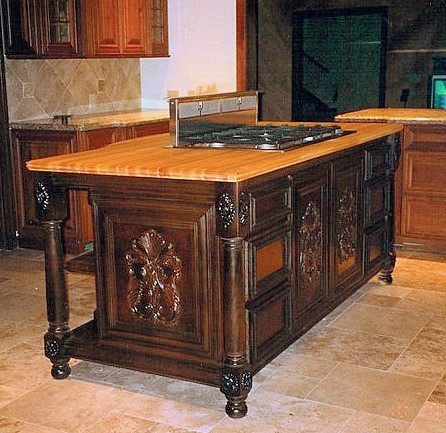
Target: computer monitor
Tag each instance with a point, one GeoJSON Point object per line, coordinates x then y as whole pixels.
{"type": "Point", "coordinates": [438, 91]}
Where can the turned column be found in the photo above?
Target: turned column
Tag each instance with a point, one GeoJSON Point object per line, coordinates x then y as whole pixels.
{"type": "Point", "coordinates": [51, 208]}
{"type": "Point", "coordinates": [236, 378]}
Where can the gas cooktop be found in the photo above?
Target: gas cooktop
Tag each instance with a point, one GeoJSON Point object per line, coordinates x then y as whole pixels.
{"type": "Point", "coordinates": [265, 137]}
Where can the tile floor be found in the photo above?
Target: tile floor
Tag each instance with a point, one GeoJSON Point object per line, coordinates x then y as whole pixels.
{"type": "Point", "coordinates": [376, 364]}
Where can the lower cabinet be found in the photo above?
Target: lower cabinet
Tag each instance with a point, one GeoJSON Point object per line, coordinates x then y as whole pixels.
{"type": "Point", "coordinates": [329, 232]}
{"type": "Point", "coordinates": [422, 186]}
{"type": "Point", "coordinates": [31, 144]}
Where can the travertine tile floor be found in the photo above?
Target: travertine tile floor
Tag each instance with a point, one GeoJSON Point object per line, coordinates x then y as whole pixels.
{"type": "Point", "coordinates": [376, 364]}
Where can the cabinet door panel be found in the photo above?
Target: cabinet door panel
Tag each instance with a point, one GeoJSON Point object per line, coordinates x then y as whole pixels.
{"type": "Point", "coordinates": [311, 223]}
{"type": "Point", "coordinates": [105, 20]}
{"type": "Point", "coordinates": [347, 227]}
{"type": "Point", "coordinates": [134, 17]}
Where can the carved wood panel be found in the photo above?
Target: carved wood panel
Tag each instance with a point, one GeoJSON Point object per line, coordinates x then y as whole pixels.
{"type": "Point", "coordinates": [160, 279]}
{"type": "Point", "coordinates": [311, 220]}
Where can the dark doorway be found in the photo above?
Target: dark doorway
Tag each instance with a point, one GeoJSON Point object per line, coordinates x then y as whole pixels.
{"type": "Point", "coordinates": [339, 61]}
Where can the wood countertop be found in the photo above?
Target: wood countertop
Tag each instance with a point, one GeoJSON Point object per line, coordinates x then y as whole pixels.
{"type": "Point", "coordinates": [399, 115]}
{"type": "Point", "coordinates": [94, 121]}
{"type": "Point", "coordinates": [153, 157]}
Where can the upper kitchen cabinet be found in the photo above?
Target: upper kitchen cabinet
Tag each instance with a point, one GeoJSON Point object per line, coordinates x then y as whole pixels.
{"type": "Point", "coordinates": [85, 28]}
{"type": "Point", "coordinates": [47, 28]}
{"type": "Point", "coordinates": [126, 28]}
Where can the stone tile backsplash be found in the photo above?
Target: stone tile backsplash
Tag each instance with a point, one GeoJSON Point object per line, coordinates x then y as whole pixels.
{"type": "Point", "coordinates": [42, 88]}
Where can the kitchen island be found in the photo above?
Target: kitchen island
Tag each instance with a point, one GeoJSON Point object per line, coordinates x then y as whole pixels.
{"type": "Point", "coordinates": [420, 182]}
{"type": "Point", "coordinates": [210, 262]}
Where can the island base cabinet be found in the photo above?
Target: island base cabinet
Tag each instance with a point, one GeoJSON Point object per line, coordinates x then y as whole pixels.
{"type": "Point", "coordinates": [209, 281]}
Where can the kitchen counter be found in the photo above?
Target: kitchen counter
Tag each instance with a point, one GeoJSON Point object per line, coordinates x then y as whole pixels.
{"type": "Point", "coordinates": [89, 122]}
{"type": "Point", "coordinates": [426, 116]}
{"type": "Point", "coordinates": [210, 262]}
{"type": "Point", "coordinates": [153, 157]}
{"type": "Point", "coordinates": [420, 182]}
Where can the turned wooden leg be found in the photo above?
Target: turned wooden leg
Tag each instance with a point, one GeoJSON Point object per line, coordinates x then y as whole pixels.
{"type": "Point", "coordinates": [51, 209]}
{"type": "Point", "coordinates": [385, 275]}
{"type": "Point", "coordinates": [236, 377]}
{"type": "Point", "coordinates": [56, 301]}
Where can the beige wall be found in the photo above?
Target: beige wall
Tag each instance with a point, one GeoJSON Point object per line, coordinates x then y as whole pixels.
{"type": "Point", "coordinates": [43, 88]}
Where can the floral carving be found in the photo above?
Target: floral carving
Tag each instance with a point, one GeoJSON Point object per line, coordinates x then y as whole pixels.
{"type": "Point", "coordinates": [347, 218]}
{"type": "Point", "coordinates": [42, 196]}
{"type": "Point", "coordinates": [154, 266]}
{"type": "Point", "coordinates": [310, 243]}
{"type": "Point", "coordinates": [226, 209]}
{"type": "Point", "coordinates": [244, 209]}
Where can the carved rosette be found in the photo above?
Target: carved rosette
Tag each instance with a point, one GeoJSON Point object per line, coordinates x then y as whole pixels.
{"type": "Point", "coordinates": [310, 244]}
{"type": "Point", "coordinates": [226, 209]}
{"type": "Point", "coordinates": [347, 219]}
{"type": "Point", "coordinates": [154, 270]}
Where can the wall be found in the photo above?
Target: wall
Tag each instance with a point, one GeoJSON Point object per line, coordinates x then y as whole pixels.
{"type": "Point", "coordinates": [202, 50]}
{"type": "Point", "coordinates": [42, 88]}
{"type": "Point", "coordinates": [202, 60]}
{"type": "Point", "coordinates": [416, 34]}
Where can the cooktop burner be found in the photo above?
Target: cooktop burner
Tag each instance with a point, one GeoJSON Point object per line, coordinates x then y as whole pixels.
{"type": "Point", "coordinates": [266, 137]}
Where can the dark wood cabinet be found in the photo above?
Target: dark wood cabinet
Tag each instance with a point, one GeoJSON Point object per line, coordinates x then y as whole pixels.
{"type": "Point", "coordinates": [126, 28]}
{"type": "Point", "coordinates": [210, 280]}
{"type": "Point", "coordinates": [31, 144]}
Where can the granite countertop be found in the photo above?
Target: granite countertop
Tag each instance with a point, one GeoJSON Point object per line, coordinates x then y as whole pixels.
{"type": "Point", "coordinates": [94, 121]}
{"type": "Point", "coordinates": [398, 115]}
{"type": "Point", "coordinates": [153, 157]}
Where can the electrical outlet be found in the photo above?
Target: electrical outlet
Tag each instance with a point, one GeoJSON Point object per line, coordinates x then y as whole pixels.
{"type": "Point", "coordinates": [101, 86]}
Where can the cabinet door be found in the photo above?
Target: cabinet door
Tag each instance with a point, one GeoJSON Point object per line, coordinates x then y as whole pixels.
{"type": "Point", "coordinates": [20, 28]}
{"type": "Point", "coordinates": [347, 227]}
{"type": "Point", "coordinates": [311, 239]}
{"type": "Point", "coordinates": [103, 20]}
{"type": "Point", "coordinates": [134, 23]}
{"type": "Point", "coordinates": [59, 28]}
{"type": "Point", "coordinates": [158, 28]}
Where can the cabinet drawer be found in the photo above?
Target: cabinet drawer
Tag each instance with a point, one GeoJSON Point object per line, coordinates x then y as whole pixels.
{"type": "Point", "coordinates": [269, 262]}
{"type": "Point", "coordinates": [377, 201]}
{"type": "Point", "coordinates": [425, 172]}
{"type": "Point", "coordinates": [269, 202]}
{"type": "Point", "coordinates": [424, 217]}
{"type": "Point", "coordinates": [375, 245]}
{"type": "Point", "coordinates": [269, 322]}
{"type": "Point", "coordinates": [377, 161]}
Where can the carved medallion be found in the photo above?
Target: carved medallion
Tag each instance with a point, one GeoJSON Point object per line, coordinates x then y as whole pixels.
{"type": "Point", "coordinates": [155, 270]}
{"type": "Point", "coordinates": [310, 244]}
{"type": "Point", "coordinates": [226, 209]}
{"type": "Point", "coordinates": [347, 219]}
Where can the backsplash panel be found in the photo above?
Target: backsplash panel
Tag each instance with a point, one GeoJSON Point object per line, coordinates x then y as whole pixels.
{"type": "Point", "coordinates": [43, 88]}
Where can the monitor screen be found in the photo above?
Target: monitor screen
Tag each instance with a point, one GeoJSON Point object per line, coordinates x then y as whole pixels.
{"type": "Point", "coordinates": [438, 91]}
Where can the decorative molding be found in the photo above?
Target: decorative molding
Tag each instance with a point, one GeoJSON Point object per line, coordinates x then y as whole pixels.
{"type": "Point", "coordinates": [310, 244]}
{"type": "Point", "coordinates": [226, 209]}
{"type": "Point", "coordinates": [155, 268]}
{"type": "Point", "coordinates": [244, 209]}
{"type": "Point", "coordinates": [347, 221]}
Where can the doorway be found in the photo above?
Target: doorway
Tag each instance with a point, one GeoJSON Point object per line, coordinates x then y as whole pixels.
{"type": "Point", "coordinates": [339, 62]}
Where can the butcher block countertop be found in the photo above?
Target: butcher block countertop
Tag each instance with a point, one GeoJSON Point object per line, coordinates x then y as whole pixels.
{"type": "Point", "coordinates": [94, 121]}
{"type": "Point", "coordinates": [401, 115]}
{"type": "Point", "coordinates": [153, 157]}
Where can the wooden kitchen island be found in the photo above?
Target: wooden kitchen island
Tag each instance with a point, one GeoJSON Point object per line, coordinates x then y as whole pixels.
{"type": "Point", "coordinates": [420, 187]}
{"type": "Point", "coordinates": [209, 263]}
